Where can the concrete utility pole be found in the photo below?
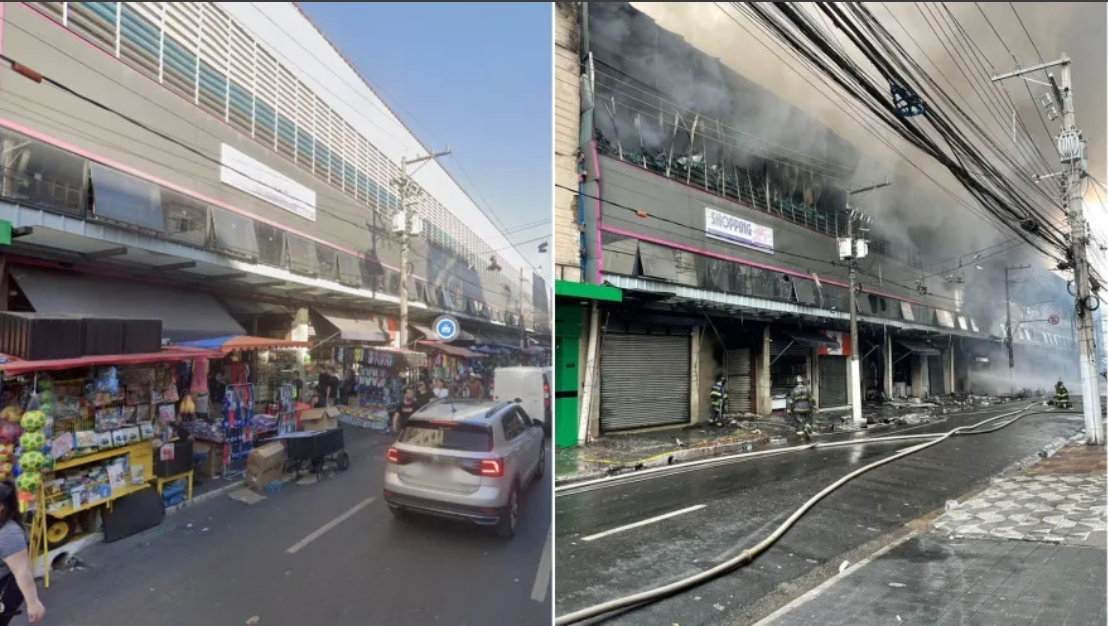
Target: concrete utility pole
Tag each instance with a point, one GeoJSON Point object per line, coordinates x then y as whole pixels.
{"type": "Point", "coordinates": [408, 194]}
{"type": "Point", "coordinates": [855, 250]}
{"type": "Point", "coordinates": [1008, 327]}
{"type": "Point", "coordinates": [522, 321]}
{"type": "Point", "coordinates": [1071, 152]}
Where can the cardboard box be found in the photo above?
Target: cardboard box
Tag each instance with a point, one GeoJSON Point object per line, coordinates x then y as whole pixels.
{"type": "Point", "coordinates": [213, 466]}
{"type": "Point", "coordinates": [320, 419]}
{"type": "Point", "coordinates": [267, 457]}
{"type": "Point", "coordinates": [258, 480]}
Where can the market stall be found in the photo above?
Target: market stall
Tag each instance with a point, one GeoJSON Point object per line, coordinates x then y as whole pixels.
{"type": "Point", "coordinates": [79, 434]}
{"type": "Point", "coordinates": [379, 377]}
{"type": "Point", "coordinates": [453, 364]}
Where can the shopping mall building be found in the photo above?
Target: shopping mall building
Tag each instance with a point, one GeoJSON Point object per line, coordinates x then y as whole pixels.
{"type": "Point", "coordinates": [228, 171]}
{"type": "Point", "coordinates": [689, 247]}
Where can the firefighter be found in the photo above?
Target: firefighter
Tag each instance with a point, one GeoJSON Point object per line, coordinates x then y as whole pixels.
{"type": "Point", "coordinates": [800, 408]}
{"type": "Point", "coordinates": [1061, 395]}
{"type": "Point", "coordinates": [719, 401]}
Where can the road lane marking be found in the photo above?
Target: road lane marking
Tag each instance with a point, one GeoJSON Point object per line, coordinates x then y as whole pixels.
{"type": "Point", "coordinates": [644, 522]}
{"type": "Point", "coordinates": [542, 577]}
{"type": "Point", "coordinates": [329, 525]}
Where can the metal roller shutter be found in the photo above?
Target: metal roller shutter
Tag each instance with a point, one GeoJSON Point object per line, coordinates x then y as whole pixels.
{"type": "Point", "coordinates": [935, 374]}
{"type": "Point", "coordinates": [739, 380]}
{"type": "Point", "coordinates": [832, 381]}
{"type": "Point", "coordinates": [644, 379]}
{"type": "Point", "coordinates": [787, 348]}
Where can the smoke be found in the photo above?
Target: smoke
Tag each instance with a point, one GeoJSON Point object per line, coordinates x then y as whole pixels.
{"type": "Point", "coordinates": [740, 82]}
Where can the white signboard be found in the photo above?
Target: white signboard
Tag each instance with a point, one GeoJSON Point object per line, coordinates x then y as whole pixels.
{"type": "Point", "coordinates": [247, 174]}
{"type": "Point", "coordinates": [725, 227]}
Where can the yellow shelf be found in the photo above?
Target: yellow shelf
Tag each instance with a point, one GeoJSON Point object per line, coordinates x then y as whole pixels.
{"type": "Point", "coordinates": [116, 494]}
{"type": "Point", "coordinates": [100, 456]}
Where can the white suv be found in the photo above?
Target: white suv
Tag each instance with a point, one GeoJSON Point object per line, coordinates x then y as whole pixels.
{"type": "Point", "coordinates": [466, 460]}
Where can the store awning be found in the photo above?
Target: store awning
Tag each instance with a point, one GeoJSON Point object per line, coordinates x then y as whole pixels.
{"type": "Point", "coordinates": [451, 350]}
{"type": "Point", "coordinates": [359, 330]}
{"type": "Point", "coordinates": [167, 355]}
{"type": "Point", "coordinates": [186, 314]}
{"type": "Point", "coordinates": [411, 357]}
{"type": "Point", "coordinates": [244, 342]}
{"type": "Point", "coordinates": [920, 348]}
{"type": "Point", "coordinates": [811, 339]}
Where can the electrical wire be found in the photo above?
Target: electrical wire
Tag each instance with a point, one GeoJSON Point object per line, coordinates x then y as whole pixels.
{"type": "Point", "coordinates": [748, 555]}
{"type": "Point", "coordinates": [999, 196]}
{"type": "Point", "coordinates": [189, 123]}
{"type": "Point", "coordinates": [206, 158]}
{"type": "Point", "coordinates": [486, 210]}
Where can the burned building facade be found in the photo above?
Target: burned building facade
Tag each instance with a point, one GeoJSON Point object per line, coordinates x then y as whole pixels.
{"type": "Point", "coordinates": [716, 209]}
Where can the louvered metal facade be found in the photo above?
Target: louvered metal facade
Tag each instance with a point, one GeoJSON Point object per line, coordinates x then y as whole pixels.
{"type": "Point", "coordinates": [202, 54]}
{"type": "Point", "coordinates": [644, 377]}
{"type": "Point", "coordinates": [740, 380]}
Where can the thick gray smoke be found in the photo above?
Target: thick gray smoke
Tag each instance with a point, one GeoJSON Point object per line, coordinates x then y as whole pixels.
{"type": "Point", "coordinates": [816, 146]}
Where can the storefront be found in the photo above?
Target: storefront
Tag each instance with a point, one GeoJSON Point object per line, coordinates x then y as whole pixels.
{"type": "Point", "coordinates": [637, 357]}
{"type": "Point", "coordinates": [92, 430]}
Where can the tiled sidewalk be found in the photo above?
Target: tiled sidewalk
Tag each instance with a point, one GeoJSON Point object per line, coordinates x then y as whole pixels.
{"type": "Point", "coordinates": [1028, 550]}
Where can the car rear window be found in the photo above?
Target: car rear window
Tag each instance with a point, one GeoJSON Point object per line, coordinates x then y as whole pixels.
{"type": "Point", "coordinates": [447, 436]}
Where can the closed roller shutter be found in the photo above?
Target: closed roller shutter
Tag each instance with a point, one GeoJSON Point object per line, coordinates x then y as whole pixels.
{"type": "Point", "coordinates": [935, 374]}
{"type": "Point", "coordinates": [832, 381]}
{"type": "Point", "coordinates": [739, 379]}
{"type": "Point", "coordinates": [644, 378]}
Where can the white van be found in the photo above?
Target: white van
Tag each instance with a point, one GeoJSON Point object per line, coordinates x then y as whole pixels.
{"type": "Point", "coordinates": [531, 385]}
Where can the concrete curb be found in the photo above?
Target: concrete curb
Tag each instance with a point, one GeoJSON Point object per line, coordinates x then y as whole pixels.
{"type": "Point", "coordinates": [72, 549]}
{"type": "Point", "coordinates": [667, 458]}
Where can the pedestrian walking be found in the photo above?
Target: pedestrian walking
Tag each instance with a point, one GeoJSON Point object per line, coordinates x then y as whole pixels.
{"type": "Point", "coordinates": [17, 582]}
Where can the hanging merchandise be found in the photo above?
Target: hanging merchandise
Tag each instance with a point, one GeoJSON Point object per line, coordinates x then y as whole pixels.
{"type": "Point", "coordinates": [238, 411]}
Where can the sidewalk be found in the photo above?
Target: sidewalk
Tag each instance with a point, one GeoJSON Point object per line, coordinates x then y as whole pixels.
{"type": "Point", "coordinates": [615, 453]}
{"type": "Point", "coordinates": [1028, 550]}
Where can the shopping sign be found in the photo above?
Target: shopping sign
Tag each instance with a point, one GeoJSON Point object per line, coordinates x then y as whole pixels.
{"type": "Point", "coordinates": [446, 328]}
{"type": "Point", "coordinates": [841, 338]}
{"type": "Point", "coordinates": [725, 227]}
{"type": "Point", "coordinates": [1054, 319]}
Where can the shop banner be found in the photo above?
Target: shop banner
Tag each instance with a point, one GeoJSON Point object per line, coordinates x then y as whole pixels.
{"type": "Point", "coordinates": [843, 340]}
{"type": "Point", "coordinates": [725, 227]}
{"type": "Point", "coordinates": [246, 174]}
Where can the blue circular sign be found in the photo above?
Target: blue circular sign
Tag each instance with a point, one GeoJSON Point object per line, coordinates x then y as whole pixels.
{"type": "Point", "coordinates": [447, 328]}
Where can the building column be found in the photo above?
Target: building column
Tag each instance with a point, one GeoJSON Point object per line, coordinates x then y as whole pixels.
{"type": "Point", "coordinates": [887, 370]}
{"type": "Point", "coordinates": [918, 363]}
{"type": "Point", "coordinates": [813, 375]}
{"type": "Point", "coordinates": [694, 375]}
{"type": "Point", "coordinates": [763, 399]}
{"type": "Point", "coordinates": [948, 370]}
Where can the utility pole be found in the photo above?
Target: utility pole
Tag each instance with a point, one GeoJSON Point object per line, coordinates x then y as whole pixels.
{"type": "Point", "coordinates": [851, 250]}
{"type": "Point", "coordinates": [1008, 326]}
{"type": "Point", "coordinates": [1071, 152]}
{"type": "Point", "coordinates": [408, 194]}
{"type": "Point", "coordinates": [522, 322]}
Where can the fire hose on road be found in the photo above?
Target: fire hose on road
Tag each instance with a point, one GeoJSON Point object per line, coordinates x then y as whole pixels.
{"type": "Point", "coordinates": [748, 555]}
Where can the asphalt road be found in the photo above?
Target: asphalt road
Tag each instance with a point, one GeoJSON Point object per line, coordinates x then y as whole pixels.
{"type": "Point", "coordinates": [224, 562]}
{"type": "Point", "coordinates": [720, 511]}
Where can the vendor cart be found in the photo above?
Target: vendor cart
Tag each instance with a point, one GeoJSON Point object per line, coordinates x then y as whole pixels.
{"type": "Point", "coordinates": [314, 451]}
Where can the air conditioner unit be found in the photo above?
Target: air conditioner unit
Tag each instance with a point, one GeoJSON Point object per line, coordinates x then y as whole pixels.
{"type": "Point", "coordinates": [398, 223]}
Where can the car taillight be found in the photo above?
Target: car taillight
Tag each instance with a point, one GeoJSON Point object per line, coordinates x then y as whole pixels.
{"type": "Point", "coordinates": [492, 467]}
{"type": "Point", "coordinates": [396, 456]}
{"type": "Point", "coordinates": [546, 394]}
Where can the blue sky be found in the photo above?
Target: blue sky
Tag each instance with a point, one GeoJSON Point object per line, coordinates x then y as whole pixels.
{"type": "Point", "coordinates": [474, 75]}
